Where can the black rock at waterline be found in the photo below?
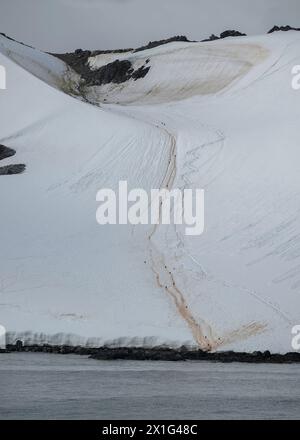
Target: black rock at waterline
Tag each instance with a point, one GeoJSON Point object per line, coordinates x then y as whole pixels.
{"type": "Point", "coordinates": [139, 354]}
{"type": "Point", "coordinates": [183, 354]}
{"type": "Point", "coordinates": [55, 349]}
{"type": "Point", "coordinates": [19, 345]}
{"type": "Point", "coordinates": [160, 354]}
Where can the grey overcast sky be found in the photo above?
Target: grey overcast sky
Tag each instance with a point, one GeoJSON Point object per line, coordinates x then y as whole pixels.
{"type": "Point", "coordinates": [61, 25]}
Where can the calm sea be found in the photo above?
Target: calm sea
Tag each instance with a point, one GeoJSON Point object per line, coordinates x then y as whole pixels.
{"type": "Point", "coordinates": [49, 386]}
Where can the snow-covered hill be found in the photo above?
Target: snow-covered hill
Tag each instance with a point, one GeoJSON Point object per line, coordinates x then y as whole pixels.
{"type": "Point", "coordinates": [222, 116]}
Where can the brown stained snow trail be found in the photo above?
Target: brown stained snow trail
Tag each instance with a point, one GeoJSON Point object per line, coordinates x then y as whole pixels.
{"type": "Point", "coordinates": [201, 332]}
{"type": "Point", "coordinates": [205, 342]}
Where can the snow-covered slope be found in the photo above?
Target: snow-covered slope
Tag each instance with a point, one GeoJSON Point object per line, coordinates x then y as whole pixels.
{"type": "Point", "coordinates": [196, 69]}
{"type": "Point", "coordinates": [220, 116]}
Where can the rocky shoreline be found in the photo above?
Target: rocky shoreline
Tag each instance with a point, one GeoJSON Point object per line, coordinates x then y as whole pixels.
{"type": "Point", "coordinates": [157, 354]}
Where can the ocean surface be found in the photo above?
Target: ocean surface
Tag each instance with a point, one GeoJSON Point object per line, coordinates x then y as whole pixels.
{"type": "Point", "coordinates": [49, 386]}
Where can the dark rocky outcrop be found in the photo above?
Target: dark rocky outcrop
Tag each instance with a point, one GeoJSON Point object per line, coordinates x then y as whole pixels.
{"type": "Point", "coordinates": [7, 170]}
{"type": "Point", "coordinates": [19, 345]}
{"type": "Point", "coordinates": [157, 43]}
{"type": "Point", "coordinates": [213, 37]}
{"type": "Point", "coordinates": [184, 354]}
{"type": "Point", "coordinates": [283, 29]}
{"type": "Point", "coordinates": [55, 349]}
{"type": "Point", "coordinates": [16, 41]}
{"type": "Point", "coordinates": [78, 60]}
{"type": "Point", "coordinates": [141, 72]}
{"type": "Point", "coordinates": [12, 169]}
{"type": "Point", "coordinates": [116, 72]}
{"type": "Point", "coordinates": [4, 35]}
{"type": "Point", "coordinates": [161, 353]}
{"type": "Point", "coordinates": [6, 152]}
{"type": "Point", "coordinates": [225, 34]}
{"type": "Point", "coordinates": [230, 33]}
{"type": "Point", "coordinates": [139, 354]}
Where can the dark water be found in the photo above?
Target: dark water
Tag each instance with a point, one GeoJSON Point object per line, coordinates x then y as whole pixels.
{"type": "Point", "coordinates": [48, 386]}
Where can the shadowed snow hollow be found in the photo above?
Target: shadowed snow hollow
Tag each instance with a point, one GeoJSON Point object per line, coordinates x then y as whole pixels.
{"type": "Point", "coordinates": [178, 71]}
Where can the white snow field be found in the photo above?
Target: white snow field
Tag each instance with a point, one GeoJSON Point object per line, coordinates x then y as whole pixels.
{"type": "Point", "coordinates": [221, 116]}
